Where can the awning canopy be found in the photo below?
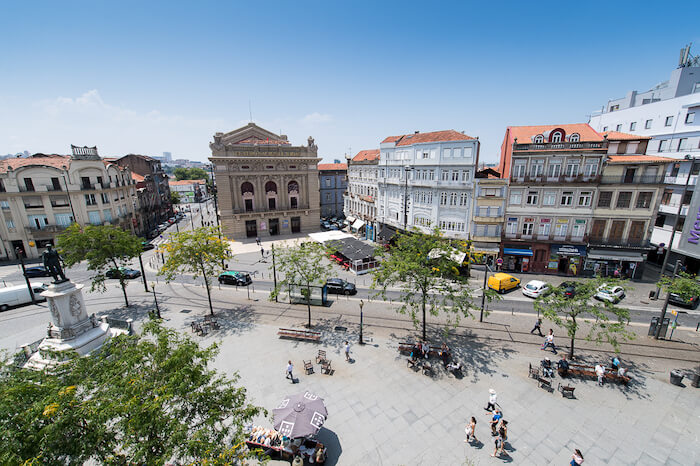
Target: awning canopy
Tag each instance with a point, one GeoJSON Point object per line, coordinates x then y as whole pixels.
{"type": "Point", "coordinates": [607, 254]}
{"type": "Point", "coordinates": [357, 224]}
{"type": "Point", "coordinates": [516, 252]}
{"type": "Point", "coordinates": [485, 249]}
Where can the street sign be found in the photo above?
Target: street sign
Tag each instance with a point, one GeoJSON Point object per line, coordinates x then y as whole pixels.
{"type": "Point", "coordinates": [499, 261]}
{"type": "Point", "coordinates": [674, 312]}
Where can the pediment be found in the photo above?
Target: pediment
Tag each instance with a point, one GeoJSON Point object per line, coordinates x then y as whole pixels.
{"type": "Point", "coordinates": [252, 134]}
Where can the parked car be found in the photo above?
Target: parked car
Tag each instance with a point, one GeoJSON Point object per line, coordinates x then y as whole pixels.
{"type": "Point", "coordinates": [126, 272]}
{"type": "Point", "coordinates": [231, 277]}
{"type": "Point", "coordinates": [325, 225]}
{"type": "Point", "coordinates": [340, 286]}
{"type": "Point", "coordinates": [38, 271]}
{"type": "Point", "coordinates": [678, 300]}
{"type": "Point", "coordinates": [333, 227]}
{"type": "Point", "coordinates": [147, 246]}
{"type": "Point", "coordinates": [535, 288]}
{"type": "Point", "coordinates": [503, 282]}
{"type": "Point", "coordinates": [569, 289]}
{"type": "Point", "coordinates": [612, 294]}
{"type": "Point", "coordinates": [17, 295]}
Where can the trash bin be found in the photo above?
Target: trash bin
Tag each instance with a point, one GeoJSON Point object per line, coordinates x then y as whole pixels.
{"type": "Point", "coordinates": [652, 294]}
{"type": "Point", "coordinates": [676, 377]}
{"type": "Point", "coordinates": [654, 324]}
{"type": "Point", "coordinates": [696, 380]}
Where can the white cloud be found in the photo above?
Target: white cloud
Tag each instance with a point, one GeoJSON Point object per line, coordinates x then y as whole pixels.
{"type": "Point", "coordinates": [316, 118]}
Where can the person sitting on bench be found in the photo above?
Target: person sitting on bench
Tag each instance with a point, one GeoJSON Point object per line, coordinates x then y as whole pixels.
{"type": "Point", "coordinates": [415, 352]}
{"type": "Point", "coordinates": [445, 355]}
{"type": "Point", "coordinates": [547, 369]}
{"type": "Point", "coordinates": [425, 349]}
{"type": "Point", "coordinates": [563, 367]}
{"type": "Point", "coordinates": [615, 363]}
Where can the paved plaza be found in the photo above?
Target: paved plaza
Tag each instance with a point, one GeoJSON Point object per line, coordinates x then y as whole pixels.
{"type": "Point", "coordinates": [382, 412]}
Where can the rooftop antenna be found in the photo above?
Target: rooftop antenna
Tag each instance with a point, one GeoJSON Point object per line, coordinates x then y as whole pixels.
{"type": "Point", "coordinates": [250, 111]}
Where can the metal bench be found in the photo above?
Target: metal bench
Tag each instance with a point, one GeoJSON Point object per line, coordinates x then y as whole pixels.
{"type": "Point", "coordinates": [299, 334]}
{"type": "Point", "coordinates": [533, 372]}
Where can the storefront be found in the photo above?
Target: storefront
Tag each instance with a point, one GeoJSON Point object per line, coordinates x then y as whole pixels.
{"type": "Point", "coordinates": [516, 258]}
{"type": "Point", "coordinates": [618, 263]}
{"type": "Point", "coordinates": [566, 259]}
{"type": "Point", "coordinates": [484, 253]}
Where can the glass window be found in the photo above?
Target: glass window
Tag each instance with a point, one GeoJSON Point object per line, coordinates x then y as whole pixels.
{"type": "Point", "coordinates": [560, 229]}
{"type": "Point", "coordinates": [584, 199]}
{"type": "Point", "coordinates": [690, 117]}
{"type": "Point", "coordinates": [457, 152]}
{"type": "Point", "coordinates": [644, 200]}
{"type": "Point", "coordinates": [539, 139]}
{"type": "Point", "coordinates": [669, 121]}
{"type": "Point", "coordinates": [444, 175]}
{"type": "Point", "coordinates": [527, 228]}
{"type": "Point", "coordinates": [533, 198]}
{"type": "Point", "coordinates": [647, 124]}
{"type": "Point", "coordinates": [591, 168]}
{"type": "Point", "coordinates": [519, 170]}
{"type": "Point", "coordinates": [10, 224]}
{"type": "Point", "coordinates": [578, 229]}
{"type": "Point", "coordinates": [604, 198]}
{"type": "Point", "coordinates": [536, 168]}
{"type": "Point", "coordinates": [633, 126]}
{"type": "Point", "coordinates": [512, 226]}
{"type": "Point", "coordinates": [556, 137]}
{"type": "Point", "coordinates": [554, 170]}
{"type": "Point", "coordinates": [63, 220]}
{"type": "Point", "coordinates": [94, 217]}
{"type": "Point", "coordinates": [107, 214]}
{"type": "Point", "coordinates": [544, 229]}
{"type": "Point", "coordinates": [574, 137]}
{"type": "Point", "coordinates": [618, 127]}
{"type": "Point", "coordinates": [623, 199]}
{"type": "Point", "coordinates": [516, 198]}
{"type": "Point", "coordinates": [663, 145]}
{"type": "Point", "coordinates": [443, 198]}
{"type": "Point", "coordinates": [549, 198]}
{"type": "Point", "coordinates": [567, 198]}
{"type": "Point", "coordinates": [572, 169]}
{"type": "Point", "coordinates": [447, 153]}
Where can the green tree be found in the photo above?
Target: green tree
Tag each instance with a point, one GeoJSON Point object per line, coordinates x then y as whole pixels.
{"type": "Point", "coordinates": [684, 285]}
{"type": "Point", "coordinates": [104, 247]}
{"type": "Point", "coordinates": [174, 197]}
{"type": "Point", "coordinates": [137, 400]}
{"type": "Point", "coordinates": [423, 267]}
{"type": "Point", "coordinates": [605, 320]}
{"type": "Point", "coordinates": [302, 265]}
{"type": "Point", "coordinates": [200, 252]}
{"type": "Point", "coordinates": [182, 173]}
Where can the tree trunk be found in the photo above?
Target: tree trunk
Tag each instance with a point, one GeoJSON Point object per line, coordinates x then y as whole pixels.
{"type": "Point", "coordinates": [123, 284]}
{"type": "Point", "coordinates": [423, 305]}
{"type": "Point", "coordinates": [308, 303]}
{"type": "Point", "coordinates": [573, 337]}
{"type": "Point", "coordinates": [206, 284]}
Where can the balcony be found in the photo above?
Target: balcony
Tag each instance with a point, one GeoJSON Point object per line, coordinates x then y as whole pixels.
{"type": "Point", "coordinates": [672, 208]}
{"type": "Point", "coordinates": [26, 189]}
{"type": "Point", "coordinates": [489, 219]}
{"type": "Point", "coordinates": [46, 229]}
{"type": "Point", "coordinates": [622, 243]}
{"type": "Point", "coordinates": [87, 187]}
{"type": "Point", "coordinates": [560, 146]}
{"type": "Point", "coordinates": [553, 238]}
{"type": "Point", "coordinates": [644, 179]}
{"type": "Point", "coordinates": [53, 188]}
{"type": "Point", "coordinates": [555, 179]}
{"type": "Point", "coordinates": [33, 206]}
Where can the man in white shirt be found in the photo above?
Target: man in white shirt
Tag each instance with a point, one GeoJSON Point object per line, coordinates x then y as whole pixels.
{"type": "Point", "coordinates": [290, 368]}
{"type": "Point", "coordinates": [600, 372]}
{"type": "Point", "coordinates": [492, 400]}
{"type": "Point", "coordinates": [549, 341]}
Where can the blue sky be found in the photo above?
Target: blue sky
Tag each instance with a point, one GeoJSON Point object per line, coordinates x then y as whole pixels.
{"type": "Point", "coordinates": [148, 77]}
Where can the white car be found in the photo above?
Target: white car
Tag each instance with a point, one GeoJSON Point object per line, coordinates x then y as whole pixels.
{"type": "Point", "coordinates": [610, 294]}
{"type": "Point", "coordinates": [535, 288]}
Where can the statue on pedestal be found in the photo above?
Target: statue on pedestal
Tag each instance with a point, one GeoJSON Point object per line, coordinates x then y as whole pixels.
{"type": "Point", "coordinates": [52, 262]}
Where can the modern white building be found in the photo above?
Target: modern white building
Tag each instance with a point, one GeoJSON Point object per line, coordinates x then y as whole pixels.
{"type": "Point", "coordinates": [426, 180]}
{"type": "Point", "coordinates": [359, 201]}
{"type": "Point", "coordinates": [669, 113]}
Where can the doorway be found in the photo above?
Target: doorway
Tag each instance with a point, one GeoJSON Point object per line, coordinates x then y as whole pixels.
{"type": "Point", "coordinates": [251, 229]}
{"type": "Point", "coordinates": [18, 244]}
{"type": "Point", "coordinates": [563, 265]}
{"type": "Point", "coordinates": [296, 224]}
{"type": "Point", "coordinates": [274, 226]}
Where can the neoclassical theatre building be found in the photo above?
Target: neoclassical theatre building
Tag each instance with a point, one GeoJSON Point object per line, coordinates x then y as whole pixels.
{"type": "Point", "coordinates": [266, 187]}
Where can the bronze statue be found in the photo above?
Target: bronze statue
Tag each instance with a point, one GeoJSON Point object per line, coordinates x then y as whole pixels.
{"type": "Point", "coordinates": [52, 262]}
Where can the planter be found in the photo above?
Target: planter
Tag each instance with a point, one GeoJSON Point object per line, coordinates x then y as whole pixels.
{"type": "Point", "coordinates": [676, 377]}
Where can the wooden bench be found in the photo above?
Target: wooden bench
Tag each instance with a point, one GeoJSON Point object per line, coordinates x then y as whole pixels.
{"type": "Point", "coordinates": [427, 369]}
{"type": "Point", "coordinates": [566, 391]}
{"type": "Point", "coordinates": [412, 363]}
{"type": "Point", "coordinates": [589, 371]}
{"type": "Point", "coordinates": [308, 367]}
{"type": "Point", "coordinates": [299, 334]}
{"type": "Point", "coordinates": [533, 372]}
{"type": "Point", "coordinates": [544, 383]}
{"type": "Point", "coordinates": [406, 347]}
{"type": "Point", "coordinates": [326, 367]}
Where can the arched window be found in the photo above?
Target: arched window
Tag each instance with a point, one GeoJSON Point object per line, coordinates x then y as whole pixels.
{"type": "Point", "coordinates": [574, 137]}
{"type": "Point", "coordinates": [270, 187]}
{"type": "Point", "coordinates": [248, 197]}
{"type": "Point", "coordinates": [539, 139]}
{"type": "Point", "coordinates": [271, 195]}
{"type": "Point", "coordinates": [556, 136]}
{"type": "Point", "coordinates": [293, 194]}
{"type": "Point", "coordinates": [247, 188]}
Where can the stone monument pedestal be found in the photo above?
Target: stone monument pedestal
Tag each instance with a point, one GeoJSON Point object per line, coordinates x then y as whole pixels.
{"type": "Point", "coordinates": [71, 329]}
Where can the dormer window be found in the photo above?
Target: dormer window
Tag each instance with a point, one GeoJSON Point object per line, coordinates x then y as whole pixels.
{"type": "Point", "coordinates": [574, 137]}
{"type": "Point", "coordinates": [556, 137]}
{"type": "Point", "coordinates": [539, 139]}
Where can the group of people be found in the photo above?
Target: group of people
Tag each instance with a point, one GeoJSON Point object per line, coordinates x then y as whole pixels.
{"type": "Point", "coordinates": [499, 426]}
{"type": "Point", "coordinates": [272, 438]}
{"type": "Point", "coordinates": [600, 369]}
{"type": "Point", "coordinates": [422, 350]}
{"type": "Point", "coordinates": [548, 367]}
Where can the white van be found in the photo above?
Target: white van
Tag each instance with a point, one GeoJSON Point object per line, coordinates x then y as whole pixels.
{"type": "Point", "coordinates": [17, 295]}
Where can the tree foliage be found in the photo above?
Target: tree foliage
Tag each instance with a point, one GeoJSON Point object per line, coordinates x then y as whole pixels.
{"type": "Point", "coordinates": [175, 197]}
{"type": "Point", "coordinates": [684, 285]}
{"type": "Point", "coordinates": [183, 173]}
{"type": "Point", "coordinates": [303, 265]}
{"type": "Point", "coordinates": [104, 247]}
{"type": "Point", "coordinates": [605, 321]}
{"type": "Point", "coordinates": [424, 267]}
{"type": "Point", "coordinates": [200, 252]}
{"type": "Point", "coordinates": [137, 400]}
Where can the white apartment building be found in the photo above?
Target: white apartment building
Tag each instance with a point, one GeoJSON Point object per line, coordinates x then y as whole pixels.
{"type": "Point", "coordinates": [41, 195]}
{"type": "Point", "coordinates": [426, 180]}
{"type": "Point", "coordinates": [669, 113]}
{"type": "Point", "coordinates": [359, 201]}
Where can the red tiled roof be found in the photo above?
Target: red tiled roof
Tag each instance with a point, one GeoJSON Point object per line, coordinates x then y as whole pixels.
{"type": "Point", "coordinates": [617, 136]}
{"type": "Point", "coordinates": [639, 159]}
{"type": "Point", "coordinates": [185, 182]}
{"type": "Point", "coordinates": [332, 166]}
{"type": "Point", "coordinates": [525, 133]}
{"type": "Point", "coordinates": [136, 177]}
{"type": "Point", "coordinates": [435, 136]}
{"type": "Point", "coordinates": [372, 154]}
{"type": "Point", "coordinates": [53, 160]}
{"type": "Point", "coordinates": [257, 140]}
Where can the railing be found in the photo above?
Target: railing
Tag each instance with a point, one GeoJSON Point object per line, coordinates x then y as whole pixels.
{"type": "Point", "coordinates": [87, 187]}
{"type": "Point", "coordinates": [33, 206]}
{"type": "Point", "coordinates": [560, 146]}
{"type": "Point", "coordinates": [551, 237]}
{"type": "Point", "coordinates": [556, 179]}
{"type": "Point", "coordinates": [628, 242]}
{"type": "Point", "coordinates": [26, 189]}
{"type": "Point", "coordinates": [46, 229]}
{"type": "Point", "coordinates": [56, 204]}
{"type": "Point", "coordinates": [644, 179]}
{"type": "Point", "coordinates": [266, 210]}
{"type": "Point", "coordinates": [53, 188]}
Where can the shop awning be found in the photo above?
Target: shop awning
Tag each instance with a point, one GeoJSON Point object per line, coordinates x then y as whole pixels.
{"type": "Point", "coordinates": [606, 254]}
{"type": "Point", "coordinates": [485, 249]}
{"type": "Point", "coordinates": [350, 220]}
{"type": "Point", "coordinates": [357, 224]}
{"type": "Point", "coordinates": [516, 252]}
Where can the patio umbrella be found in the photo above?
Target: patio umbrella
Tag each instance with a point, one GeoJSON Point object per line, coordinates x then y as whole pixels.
{"type": "Point", "coordinates": [300, 415]}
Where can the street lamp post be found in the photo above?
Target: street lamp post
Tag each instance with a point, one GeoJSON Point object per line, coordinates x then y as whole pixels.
{"type": "Point", "coordinates": [274, 270]}
{"type": "Point", "coordinates": [155, 298]}
{"type": "Point", "coordinates": [20, 256]}
{"type": "Point", "coordinates": [405, 196]}
{"type": "Point", "coordinates": [362, 304]}
{"type": "Point", "coordinates": [483, 293]}
{"type": "Point", "coordinates": [143, 274]}
{"type": "Point", "coordinates": [657, 334]}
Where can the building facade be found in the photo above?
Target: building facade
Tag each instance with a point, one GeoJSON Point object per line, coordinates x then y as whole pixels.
{"type": "Point", "coordinates": [188, 190]}
{"type": "Point", "coordinates": [490, 191]}
{"type": "Point", "coordinates": [669, 114]}
{"type": "Point", "coordinates": [332, 185]}
{"type": "Point", "coordinates": [41, 195]}
{"type": "Point", "coordinates": [359, 201]}
{"type": "Point", "coordinates": [265, 186]}
{"type": "Point", "coordinates": [425, 180]}
{"type": "Point", "coordinates": [553, 171]}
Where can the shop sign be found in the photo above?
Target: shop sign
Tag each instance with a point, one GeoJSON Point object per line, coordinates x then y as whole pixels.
{"type": "Point", "coordinates": [581, 222]}
{"type": "Point", "coordinates": [562, 220]}
{"type": "Point", "coordinates": [285, 223]}
{"type": "Point", "coordinates": [263, 225]}
{"type": "Point", "coordinates": [512, 219]}
{"type": "Point", "coordinates": [529, 220]}
{"type": "Point", "coordinates": [568, 250]}
{"type": "Point", "coordinates": [545, 220]}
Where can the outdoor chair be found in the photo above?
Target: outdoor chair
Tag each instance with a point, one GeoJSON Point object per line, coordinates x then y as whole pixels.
{"type": "Point", "coordinates": [321, 356]}
{"type": "Point", "coordinates": [308, 367]}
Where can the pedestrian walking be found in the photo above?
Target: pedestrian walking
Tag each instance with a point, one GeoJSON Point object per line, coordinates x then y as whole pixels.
{"type": "Point", "coordinates": [492, 400]}
{"type": "Point", "coordinates": [290, 368]}
{"type": "Point", "coordinates": [470, 430]}
{"type": "Point", "coordinates": [538, 327]}
{"type": "Point", "coordinates": [499, 442]}
{"type": "Point", "coordinates": [262, 251]}
{"type": "Point", "coordinates": [549, 341]}
{"type": "Point", "coordinates": [497, 415]}
{"type": "Point", "coordinates": [257, 240]}
{"type": "Point", "coordinates": [576, 458]}
{"type": "Point", "coordinates": [347, 351]}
